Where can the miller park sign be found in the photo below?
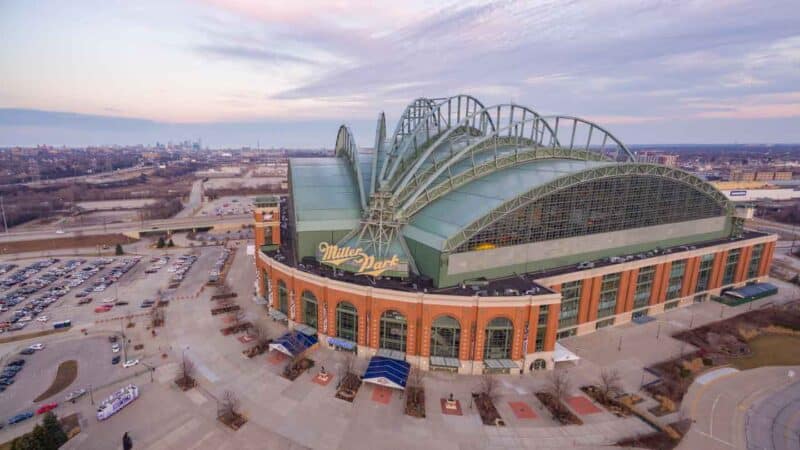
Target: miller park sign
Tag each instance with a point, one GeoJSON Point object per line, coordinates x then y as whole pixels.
{"type": "Point", "coordinates": [357, 261]}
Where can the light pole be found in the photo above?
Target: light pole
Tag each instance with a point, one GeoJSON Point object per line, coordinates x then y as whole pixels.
{"type": "Point", "coordinates": [658, 332]}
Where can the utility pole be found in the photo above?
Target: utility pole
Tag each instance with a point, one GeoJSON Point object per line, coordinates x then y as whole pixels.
{"type": "Point", "coordinates": [3, 209]}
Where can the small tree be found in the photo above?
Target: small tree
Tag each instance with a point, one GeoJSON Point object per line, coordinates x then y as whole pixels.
{"type": "Point", "coordinates": [170, 243]}
{"type": "Point", "coordinates": [488, 386]}
{"type": "Point", "coordinates": [160, 243]}
{"type": "Point", "coordinates": [558, 385]}
{"type": "Point", "coordinates": [186, 372]}
{"type": "Point", "coordinates": [609, 383]}
{"type": "Point", "coordinates": [54, 430]}
{"type": "Point", "coordinates": [118, 250]}
{"type": "Point", "coordinates": [42, 439]}
{"type": "Point", "coordinates": [347, 365]}
{"type": "Point", "coordinates": [228, 405]}
{"type": "Point", "coordinates": [416, 379]}
{"type": "Point", "coordinates": [261, 336]}
{"type": "Point", "coordinates": [238, 316]}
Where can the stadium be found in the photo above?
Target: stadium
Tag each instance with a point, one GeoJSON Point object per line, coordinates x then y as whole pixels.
{"type": "Point", "coordinates": [473, 238]}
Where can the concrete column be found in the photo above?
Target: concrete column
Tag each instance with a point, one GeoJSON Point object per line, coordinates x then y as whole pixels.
{"type": "Point", "coordinates": [623, 292]}
{"type": "Point", "coordinates": [553, 312]}
{"type": "Point", "coordinates": [658, 293]}
{"type": "Point", "coordinates": [744, 262]}
{"type": "Point", "coordinates": [631, 294]}
{"type": "Point", "coordinates": [766, 259]}
{"type": "Point", "coordinates": [690, 276]}
{"type": "Point", "coordinates": [718, 270]}
{"type": "Point", "coordinates": [585, 300]}
{"type": "Point", "coordinates": [594, 298]}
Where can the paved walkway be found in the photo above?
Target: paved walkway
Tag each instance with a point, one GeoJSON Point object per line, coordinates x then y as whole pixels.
{"type": "Point", "coordinates": [774, 422]}
{"type": "Point", "coordinates": [719, 408]}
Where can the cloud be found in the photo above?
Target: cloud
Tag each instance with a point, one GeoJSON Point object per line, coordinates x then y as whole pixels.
{"type": "Point", "coordinates": [252, 54]}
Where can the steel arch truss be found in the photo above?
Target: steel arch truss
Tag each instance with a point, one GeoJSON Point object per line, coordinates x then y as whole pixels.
{"type": "Point", "coordinates": [518, 157]}
{"type": "Point", "coordinates": [414, 133]}
{"type": "Point", "coordinates": [574, 132]}
{"type": "Point", "coordinates": [610, 171]}
{"type": "Point", "coordinates": [346, 147]}
{"type": "Point", "coordinates": [378, 154]}
{"type": "Point", "coordinates": [517, 128]}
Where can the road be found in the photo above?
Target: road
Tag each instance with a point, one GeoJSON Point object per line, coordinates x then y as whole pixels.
{"type": "Point", "coordinates": [195, 200]}
{"type": "Point", "coordinates": [774, 422]}
{"type": "Point", "coordinates": [720, 409]}
{"type": "Point", "coordinates": [147, 225]}
{"type": "Point", "coordinates": [785, 230]}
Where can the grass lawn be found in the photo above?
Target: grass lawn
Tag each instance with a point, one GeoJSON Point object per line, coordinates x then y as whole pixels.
{"type": "Point", "coordinates": [771, 350]}
{"type": "Point", "coordinates": [67, 372]}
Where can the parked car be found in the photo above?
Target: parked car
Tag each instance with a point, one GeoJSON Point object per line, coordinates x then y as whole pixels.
{"type": "Point", "coordinates": [27, 351]}
{"type": "Point", "coordinates": [130, 363]}
{"type": "Point", "coordinates": [20, 417]}
{"type": "Point", "coordinates": [115, 348]}
{"type": "Point", "coordinates": [74, 395]}
{"type": "Point", "coordinates": [116, 359]}
{"type": "Point", "coordinates": [112, 338]}
{"type": "Point", "coordinates": [46, 407]}
{"type": "Point", "coordinates": [37, 346]}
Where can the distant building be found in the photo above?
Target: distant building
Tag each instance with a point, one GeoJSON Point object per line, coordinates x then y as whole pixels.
{"type": "Point", "coordinates": [664, 159]}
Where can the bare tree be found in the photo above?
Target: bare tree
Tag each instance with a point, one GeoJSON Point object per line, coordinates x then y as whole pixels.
{"type": "Point", "coordinates": [186, 372]}
{"type": "Point", "coordinates": [261, 336]}
{"type": "Point", "coordinates": [238, 316]}
{"type": "Point", "coordinates": [347, 365]}
{"type": "Point", "coordinates": [488, 386]}
{"type": "Point", "coordinates": [156, 317]}
{"type": "Point", "coordinates": [558, 384]}
{"type": "Point", "coordinates": [610, 383]}
{"type": "Point", "coordinates": [228, 405]}
{"type": "Point", "coordinates": [416, 378]}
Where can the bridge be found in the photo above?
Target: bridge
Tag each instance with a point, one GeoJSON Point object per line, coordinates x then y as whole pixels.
{"type": "Point", "coordinates": [135, 229]}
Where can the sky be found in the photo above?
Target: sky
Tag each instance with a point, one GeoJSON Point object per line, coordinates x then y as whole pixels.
{"type": "Point", "coordinates": [287, 73]}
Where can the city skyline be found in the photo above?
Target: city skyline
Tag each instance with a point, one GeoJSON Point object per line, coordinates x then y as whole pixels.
{"type": "Point", "coordinates": [236, 73]}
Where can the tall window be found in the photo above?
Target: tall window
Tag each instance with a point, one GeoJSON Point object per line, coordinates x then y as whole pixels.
{"type": "Point", "coordinates": [283, 297]}
{"type": "Point", "coordinates": [499, 336]}
{"type": "Point", "coordinates": [730, 266]}
{"type": "Point", "coordinates": [599, 206]}
{"type": "Point", "coordinates": [445, 337]}
{"type": "Point", "coordinates": [541, 327]}
{"type": "Point", "coordinates": [608, 295]}
{"type": "Point", "coordinates": [704, 272]}
{"type": "Point", "coordinates": [309, 309]}
{"type": "Point", "coordinates": [570, 300]}
{"type": "Point", "coordinates": [346, 321]}
{"type": "Point", "coordinates": [755, 261]}
{"type": "Point", "coordinates": [644, 286]}
{"type": "Point", "coordinates": [393, 331]}
{"type": "Point", "coordinates": [675, 279]}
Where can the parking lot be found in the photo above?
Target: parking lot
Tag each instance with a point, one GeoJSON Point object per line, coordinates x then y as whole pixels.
{"type": "Point", "coordinates": [93, 355]}
{"type": "Point", "coordinates": [227, 206]}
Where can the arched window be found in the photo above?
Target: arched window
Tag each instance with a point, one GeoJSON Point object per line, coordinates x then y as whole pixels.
{"type": "Point", "coordinates": [539, 364]}
{"type": "Point", "coordinates": [445, 337]}
{"type": "Point", "coordinates": [499, 336]}
{"type": "Point", "coordinates": [393, 331]}
{"type": "Point", "coordinates": [283, 297]}
{"type": "Point", "coordinates": [347, 321]}
{"type": "Point", "coordinates": [309, 309]}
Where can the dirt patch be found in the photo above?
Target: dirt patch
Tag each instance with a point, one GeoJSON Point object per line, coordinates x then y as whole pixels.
{"type": "Point", "coordinates": [770, 350]}
{"type": "Point", "coordinates": [40, 245]}
{"type": "Point", "coordinates": [658, 440]}
{"type": "Point", "coordinates": [66, 374]}
{"type": "Point", "coordinates": [415, 402]}
{"type": "Point", "coordinates": [22, 337]}
{"type": "Point", "coordinates": [558, 410]}
{"type": "Point", "coordinates": [487, 410]}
